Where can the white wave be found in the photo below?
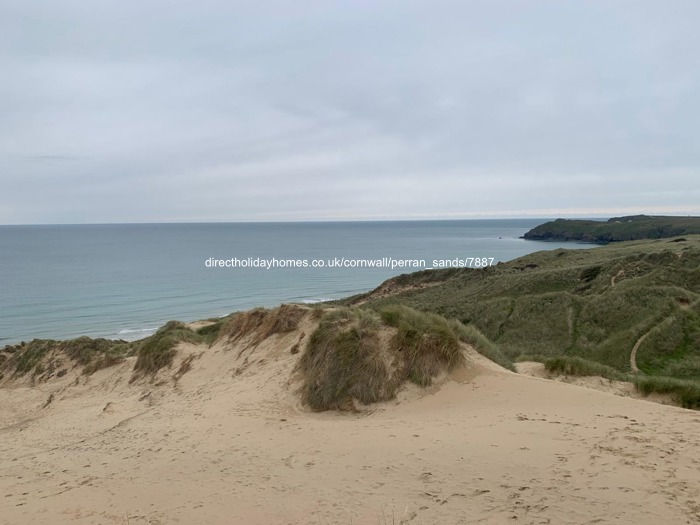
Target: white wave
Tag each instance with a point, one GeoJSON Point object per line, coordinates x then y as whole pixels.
{"type": "Point", "coordinates": [135, 331]}
{"type": "Point", "coordinates": [314, 301]}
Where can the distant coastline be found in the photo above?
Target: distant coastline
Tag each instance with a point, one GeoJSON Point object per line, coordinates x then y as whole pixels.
{"type": "Point", "coordinates": [617, 229]}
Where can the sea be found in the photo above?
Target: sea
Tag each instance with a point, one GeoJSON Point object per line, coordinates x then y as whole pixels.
{"type": "Point", "coordinates": [123, 281]}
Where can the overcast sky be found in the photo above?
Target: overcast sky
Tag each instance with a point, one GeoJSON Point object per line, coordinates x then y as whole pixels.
{"type": "Point", "coordinates": [155, 110]}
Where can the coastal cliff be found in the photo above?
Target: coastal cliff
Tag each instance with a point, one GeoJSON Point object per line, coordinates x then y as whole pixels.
{"type": "Point", "coordinates": [629, 228]}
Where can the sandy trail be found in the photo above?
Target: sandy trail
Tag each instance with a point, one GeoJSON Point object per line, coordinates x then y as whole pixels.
{"type": "Point", "coordinates": [229, 443]}
{"type": "Point", "coordinates": [633, 353]}
{"type": "Point", "coordinates": [614, 278]}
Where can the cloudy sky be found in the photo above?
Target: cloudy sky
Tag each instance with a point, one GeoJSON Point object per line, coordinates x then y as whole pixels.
{"type": "Point", "coordinates": [126, 111]}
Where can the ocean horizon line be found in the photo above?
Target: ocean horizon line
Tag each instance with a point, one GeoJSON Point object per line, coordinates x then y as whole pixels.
{"type": "Point", "coordinates": [326, 221]}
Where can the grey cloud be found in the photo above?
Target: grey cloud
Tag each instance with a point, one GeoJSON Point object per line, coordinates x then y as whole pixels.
{"type": "Point", "coordinates": [215, 110]}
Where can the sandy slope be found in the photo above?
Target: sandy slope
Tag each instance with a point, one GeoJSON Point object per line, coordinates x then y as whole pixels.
{"type": "Point", "coordinates": [229, 444]}
{"type": "Point", "coordinates": [619, 388]}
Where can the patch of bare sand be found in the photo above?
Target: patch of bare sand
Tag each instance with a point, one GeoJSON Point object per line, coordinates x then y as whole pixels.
{"type": "Point", "coordinates": [228, 443]}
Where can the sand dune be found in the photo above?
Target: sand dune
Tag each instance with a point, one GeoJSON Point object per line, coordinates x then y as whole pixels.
{"type": "Point", "coordinates": [228, 442]}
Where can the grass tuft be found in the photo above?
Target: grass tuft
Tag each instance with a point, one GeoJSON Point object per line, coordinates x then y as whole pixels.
{"type": "Point", "coordinates": [210, 333]}
{"type": "Point", "coordinates": [366, 355]}
{"type": "Point", "coordinates": [43, 357]}
{"type": "Point", "coordinates": [577, 366]}
{"type": "Point", "coordinates": [342, 361]}
{"type": "Point", "coordinates": [261, 323]}
{"type": "Point", "coordinates": [472, 336]}
{"type": "Point", "coordinates": [158, 351]}
{"type": "Point", "coordinates": [26, 357]}
{"type": "Point", "coordinates": [428, 342]}
{"type": "Point", "coordinates": [685, 393]}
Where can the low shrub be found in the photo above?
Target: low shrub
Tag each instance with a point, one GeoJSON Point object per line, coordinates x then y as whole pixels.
{"type": "Point", "coordinates": [577, 366]}
{"type": "Point", "coordinates": [685, 393]}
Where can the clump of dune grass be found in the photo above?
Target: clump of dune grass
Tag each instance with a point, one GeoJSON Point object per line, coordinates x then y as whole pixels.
{"type": "Point", "coordinates": [472, 336]}
{"type": "Point", "coordinates": [317, 311]}
{"type": "Point", "coordinates": [685, 393]}
{"type": "Point", "coordinates": [96, 354]}
{"type": "Point", "coordinates": [366, 355]}
{"type": "Point", "coordinates": [158, 351]}
{"type": "Point", "coordinates": [210, 332]}
{"type": "Point", "coordinates": [84, 349]}
{"type": "Point", "coordinates": [261, 323]}
{"type": "Point", "coordinates": [43, 357]}
{"type": "Point", "coordinates": [428, 342]}
{"type": "Point", "coordinates": [25, 357]}
{"type": "Point", "coordinates": [342, 361]}
{"type": "Point", "coordinates": [577, 366]}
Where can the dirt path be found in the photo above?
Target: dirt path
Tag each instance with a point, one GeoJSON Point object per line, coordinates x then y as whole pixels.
{"type": "Point", "coordinates": [621, 273]}
{"type": "Point", "coordinates": [633, 354]}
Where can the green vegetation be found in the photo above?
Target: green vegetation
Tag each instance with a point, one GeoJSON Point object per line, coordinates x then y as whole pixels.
{"type": "Point", "coordinates": [342, 361]}
{"type": "Point", "coordinates": [361, 354]}
{"type": "Point", "coordinates": [576, 366]}
{"type": "Point", "coordinates": [685, 393]}
{"type": "Point", "coordinates": [158, 351]}
{"type": "Point", "coordinates": [24, 357]}
{"type": "Point", "coordinates": [49, 358]}
{"type": "Point", "coordinates": [96, 354]}
{"type": "Point", "coordinates": [592, 304]}
{"type": "Point", "coordinates": [617, 229]}
{"type": "Point", "coordinates": [210, 332]}
{"type": "Point", "coordinates": [45, 358]}
{"type": "Point", "coordinates": [471, 335]}
{"type": "Point", "coordinates": [428, 343]}
{"type": "Point", "coordinates": [261, 323]}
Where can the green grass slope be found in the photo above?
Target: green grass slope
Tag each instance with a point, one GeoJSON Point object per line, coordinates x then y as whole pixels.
{"type": "Point", "coordinates": [598, 305]}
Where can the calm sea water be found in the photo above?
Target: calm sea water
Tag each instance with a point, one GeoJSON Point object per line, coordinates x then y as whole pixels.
{"type": "Point", "coordinates": [123, 281]}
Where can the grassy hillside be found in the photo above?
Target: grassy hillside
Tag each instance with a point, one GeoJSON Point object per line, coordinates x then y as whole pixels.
{"type": "Point", "coordinates": [599, 305]}
{"type": "Point", "coordinates": [617, 229]}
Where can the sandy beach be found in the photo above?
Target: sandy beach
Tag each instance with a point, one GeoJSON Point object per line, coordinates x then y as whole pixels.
{"type": "Point", "coordinates": [225, 440]}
